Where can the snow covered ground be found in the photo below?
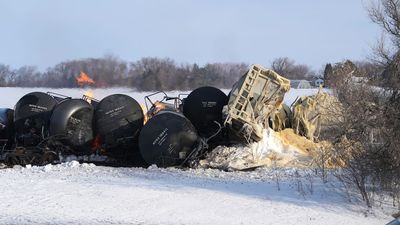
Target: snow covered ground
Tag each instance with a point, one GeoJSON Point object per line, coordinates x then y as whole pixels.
{"type": "Point", "coordinates": [73, 193]}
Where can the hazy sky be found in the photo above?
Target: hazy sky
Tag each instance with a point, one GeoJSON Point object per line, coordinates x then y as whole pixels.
{"type": "Point", "coordinates": [45, 32]}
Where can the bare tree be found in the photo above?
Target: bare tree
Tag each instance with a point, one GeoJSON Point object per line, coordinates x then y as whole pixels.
{"type": "Point", "coordinates": [386, 14]}
{"type": "Point", "coordinates": [289, 69]}
{"type": "Point", "coordinates": [282, 65]}
{"type": "Point", "coordinates": [367, 142]}
{"type": "Point", "coordinates": [368, 69]}
{"type": "Point", "coordinates": [26, 76]}
{"type": "Point", "coordinates": [5, 73]}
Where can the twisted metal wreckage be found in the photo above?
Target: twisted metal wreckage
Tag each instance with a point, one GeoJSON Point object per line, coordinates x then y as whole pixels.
{"type": "Point", "coordinates": [199, 129]}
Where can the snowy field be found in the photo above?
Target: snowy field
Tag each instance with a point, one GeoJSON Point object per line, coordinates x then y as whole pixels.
{"type": "Point", "coordinates": [10, 96]}
{"type": "Point", "coordinates": [73, 193]}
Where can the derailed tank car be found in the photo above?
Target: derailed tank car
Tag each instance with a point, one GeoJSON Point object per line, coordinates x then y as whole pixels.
{"type": "Point", "coordinates": [31, 127]}
{"type": "Point", "coordinates": [168, 139]}
{"type": "Point", "coordinates": [203, 107]}
{"type": "Point", "coordinates": [118, 121]}
{"type": "Point", "coordinates": [72, 124]}
{"type": "Point", "coordinates": [32, 117]}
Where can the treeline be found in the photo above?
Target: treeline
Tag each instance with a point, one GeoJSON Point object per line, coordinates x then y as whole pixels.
{"type": "Point", "coordinates": [151, 74]}
{"type": "Point", "coordinates": [146, 74]}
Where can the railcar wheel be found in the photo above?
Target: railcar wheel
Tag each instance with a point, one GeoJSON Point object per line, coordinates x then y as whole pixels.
{"type": "Point", "coordinates": [49, 157]}
{"type": "Point", "coordinates": [11, 160]}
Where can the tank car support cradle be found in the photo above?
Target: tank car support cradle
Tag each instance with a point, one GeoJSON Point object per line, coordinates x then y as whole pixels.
{"type": "Point", "coordinates": [2, 151]}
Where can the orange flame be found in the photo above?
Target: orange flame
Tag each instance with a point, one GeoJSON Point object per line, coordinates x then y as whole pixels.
{"type": "Point", "coordinates": [89, 93]}
{"type": "Point", "coordinates": [96, 145]}
{"type": "Point", "coordinates": [84, 79]}
{"type": "Point", "coordinates": [158, 106]}
{"type": "Point", "coordinates": [145, 113]}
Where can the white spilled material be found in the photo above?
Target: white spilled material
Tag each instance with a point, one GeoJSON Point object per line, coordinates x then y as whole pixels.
{"type": "Point", "coordinates": [270, 151]}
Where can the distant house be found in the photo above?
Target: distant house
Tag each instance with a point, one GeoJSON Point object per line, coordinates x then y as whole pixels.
{"type": "Point", "coordinates": [318, 82]}
{"type": "Point", "coordinates": [300, 84]}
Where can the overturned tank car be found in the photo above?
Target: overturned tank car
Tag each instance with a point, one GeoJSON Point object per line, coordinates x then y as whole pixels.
{"type": "Point", "coordinates": [118, 121]}
{"type": "Point", "coordinates": [32, 118]}
{"type": "Point", "coordinates": [31, 127]}
{"type": "Point", "coordinates": [203, 107]}
{"type": "Point", "coordinates": [168, 138]}
{"type": "Point", "coordinates": [71, 123]}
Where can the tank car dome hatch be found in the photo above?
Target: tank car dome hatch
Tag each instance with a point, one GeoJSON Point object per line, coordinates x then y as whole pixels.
{"type": "Point", "coordinates": [167, 139]}
{"type": "Point", "coordinates": [31, 117]}
{"type": "Point", "coordinates": [74, 119]}
{"type": "Point", "coordinates": [118, 120]}
{"type": "Point", "coordinates": [202, 107]}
